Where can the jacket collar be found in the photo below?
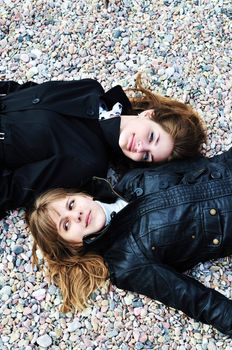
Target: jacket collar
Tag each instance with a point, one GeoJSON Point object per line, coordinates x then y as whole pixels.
{"type": "Point", "coordinates": [101, 190]}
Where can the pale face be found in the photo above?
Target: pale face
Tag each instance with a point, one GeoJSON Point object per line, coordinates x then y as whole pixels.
{"type": "Point", "coordinates": [143, 140]}
{"type": "Point", "coordinates": [76, 216]}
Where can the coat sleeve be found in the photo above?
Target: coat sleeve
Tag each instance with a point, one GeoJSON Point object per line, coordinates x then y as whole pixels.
{"type": "Point", "coordinates": [19, 188]}
{"type": "Point", "coordinates": [9, 86]}
{"type": "Point", "coordinates": [181, 292]}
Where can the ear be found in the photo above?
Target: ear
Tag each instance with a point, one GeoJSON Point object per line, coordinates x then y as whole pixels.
{"type": "Point", "coordinates": [148, 114]}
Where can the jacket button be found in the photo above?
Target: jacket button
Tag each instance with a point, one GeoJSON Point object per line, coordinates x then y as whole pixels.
{"type": "Point", "coordinates": [35, 101]}
{"type": "Point", "coordinates": [190, 179]}
{"type": "Point", "coordinates": [90, 112]}
{"type": "Point", "coordinates": [216, 175]}
{"type": "Point", "coordinates": [113, 214]}
{"type": "Point", "coordinates": [213, 211]}
{"type": "Point", "coordinates": [193, 236]}
{"type": "Point", "coordinates": [216, 241]}
{"type": "Point", "coordinates": [2, 106]}
{"type": "Point", "coordinates": [153, 247]}
{"type": "Point", "coordinates": [138, 191]}
{"type": "Point", "coordinates": [163, 185]}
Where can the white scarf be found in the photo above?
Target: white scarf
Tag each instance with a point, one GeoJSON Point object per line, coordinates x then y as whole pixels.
{"type": "Point", "coordinates": [113, 207]}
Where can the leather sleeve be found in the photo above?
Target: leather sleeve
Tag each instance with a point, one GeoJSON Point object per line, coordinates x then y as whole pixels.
{"type": "Point", "coordinates": [181, 292]}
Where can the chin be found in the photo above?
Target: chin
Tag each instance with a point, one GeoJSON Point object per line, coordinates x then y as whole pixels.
{"type": "Point", "coordinates": [135, 157]}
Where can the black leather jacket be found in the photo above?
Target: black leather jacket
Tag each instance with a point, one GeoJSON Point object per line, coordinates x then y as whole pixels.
{"type": "Point", "coordinates": [178, 215]}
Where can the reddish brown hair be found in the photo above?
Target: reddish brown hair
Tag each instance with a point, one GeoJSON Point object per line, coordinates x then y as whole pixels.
{"type": "Point", "coordinates": [180, 120]}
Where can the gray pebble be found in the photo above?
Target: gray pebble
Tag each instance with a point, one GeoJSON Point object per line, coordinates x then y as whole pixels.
{"type": "Point", "coordinates": [18, 249]}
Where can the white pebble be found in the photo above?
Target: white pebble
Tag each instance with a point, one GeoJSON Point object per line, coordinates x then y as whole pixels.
{"type": "Point", "coordinates": [45, 341]}
{"type": "Point", "coordinates": [6, 290]}
{"type": "Point", "coordinates": [39, 294]}
{"type": "Point", "coordinates": [32, 72]}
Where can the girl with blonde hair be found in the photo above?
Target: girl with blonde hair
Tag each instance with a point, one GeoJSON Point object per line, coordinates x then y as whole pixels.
{"type": "Point", "coordinates": [142, 235]}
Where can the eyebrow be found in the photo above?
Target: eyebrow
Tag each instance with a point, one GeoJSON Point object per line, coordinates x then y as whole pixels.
{"type": "Point", "coordinates": [60, 226]}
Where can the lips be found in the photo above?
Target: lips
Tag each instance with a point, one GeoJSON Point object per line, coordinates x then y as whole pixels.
{"type": "Point", "coordinates": [131, 143]}
{"type": "Point", "coordinates": [88, 219]}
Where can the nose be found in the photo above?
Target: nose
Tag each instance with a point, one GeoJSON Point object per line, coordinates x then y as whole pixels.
{"type": "Point", "coordinates": [77, 216]}
{"type": "Point", "coordinates": [141, 147]}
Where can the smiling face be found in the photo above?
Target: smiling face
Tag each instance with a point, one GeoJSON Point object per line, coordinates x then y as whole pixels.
{"type": "Point", "coordinates": [76, 216]}
{"type": "Point", "coordinates": [143, 140]}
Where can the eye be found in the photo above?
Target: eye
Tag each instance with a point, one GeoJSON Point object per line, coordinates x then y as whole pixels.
{"type": "Point", "coordinates": [71, 204]}
{"type": "Point", "coordinates": [66, 225]}
{"type": "Point", "coordinates": [146, 157]}
{"type": "Point", "coordinates": [151, 137]}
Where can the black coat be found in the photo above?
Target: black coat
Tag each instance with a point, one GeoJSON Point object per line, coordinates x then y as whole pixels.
{"type": "Point", "coordinates": [178, 215]}
{"type": "Point", "coordinates": [52, 136]}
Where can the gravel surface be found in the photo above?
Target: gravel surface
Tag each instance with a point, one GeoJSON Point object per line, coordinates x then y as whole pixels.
{"type": "Point", "coordinates": [184, 50]}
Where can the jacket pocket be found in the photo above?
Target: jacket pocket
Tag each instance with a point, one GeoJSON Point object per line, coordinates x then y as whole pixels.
{"type": "Point", "coordinates": [172, 237]}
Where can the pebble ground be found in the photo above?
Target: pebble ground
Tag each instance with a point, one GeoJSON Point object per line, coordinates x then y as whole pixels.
{"type": "Point", "coordinates": [183, 48]}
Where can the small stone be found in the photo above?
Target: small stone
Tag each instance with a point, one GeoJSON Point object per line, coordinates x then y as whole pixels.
{"type": "Point", "coordinates": [5, 339]}
{"type": "Point", "coordinates": [20, 38]}
{"type": "Point", "coordinates": [112, 334]}
{"type": "Point", "coordinates": [14, 336]}
{"type": "Point", "coordinates": [20, 308]}
{"type": "Point", "coordinates": [143, 337]}
{"type": "Point", "coordinates": [128, 299]}
{"type": "Point", "coordinates": [18, 249]}
{"type": "Point", "coordinates": [169, 72]}
{"type": "Point", "coordinates": [139, 346]}
{"type": "Point", "coordinates": [6, 290]}
{"type": "Point", "coordinates": [39, 294]}
{"type": "Point", "coordinates": [31, 72]}
{"type": "Point", "coordinates": [198, 336]}
{"type": "Point", "coordinates": [137, 311]}
{"type": "Point", "coordinates": [25, 58]}
{"type": "Point", "coordinates": [73, 326]}
{"type": "Point", "coordinates": [136, 334]}
{"type": "Point", "coordinates": [117, 33]}
{"type": "Point", "coordinates": [52, 289]}
{"type": "Point", "coordinates": [143, 313]}
{"type": "Point", "coordinates": [36, 53]}
{"type": "Point", "coordinates": [71, 48]}
{"type": "Point", "coordinates": [45, 341]}
{"type": "Point", "coordinates": [121, 67]}
{"type": "Point", "coordinates": [27, 311]}
{"type": "Point", "coordinates": [211, 346]}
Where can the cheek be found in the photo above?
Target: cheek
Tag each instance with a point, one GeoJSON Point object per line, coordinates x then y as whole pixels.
{"type": "Point", "coordinates": [136, 157]}
{"type": "Point", "coordinates": [76, 235]}
{"type": "Point", "coordinates": [122, 140]}
{"type": "Point", "coordinates": [166, 150]}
